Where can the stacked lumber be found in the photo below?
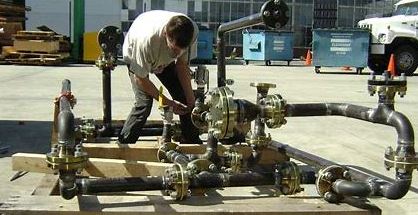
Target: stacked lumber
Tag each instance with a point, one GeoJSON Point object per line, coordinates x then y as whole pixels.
{"type": "Point", "coordinates": [12, 17]}
{"type": "Point", "coordinates": [37, 48]}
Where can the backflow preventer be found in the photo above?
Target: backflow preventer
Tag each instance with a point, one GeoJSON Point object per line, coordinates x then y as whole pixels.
{"type": "Point", "coordinates": [241, 124]}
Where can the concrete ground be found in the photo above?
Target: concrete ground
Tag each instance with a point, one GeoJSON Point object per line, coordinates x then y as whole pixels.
{"type": "Point", "coordinates": [26, 107]}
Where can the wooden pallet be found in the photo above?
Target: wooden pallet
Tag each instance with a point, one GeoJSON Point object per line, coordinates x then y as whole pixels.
{"type": "Point", "coordinates": [36, 58]}
{"type": "Point", "coordinates": [127, 160]}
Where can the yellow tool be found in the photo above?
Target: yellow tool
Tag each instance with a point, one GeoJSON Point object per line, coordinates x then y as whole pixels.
{"type": "Point", "coordinates": [161, 98]}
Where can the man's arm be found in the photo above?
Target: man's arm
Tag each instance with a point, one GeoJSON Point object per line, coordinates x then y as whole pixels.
{"type": "Point", "coordinates": [183, 74]}
{"type": "Point", "coordinates": [150, 89]}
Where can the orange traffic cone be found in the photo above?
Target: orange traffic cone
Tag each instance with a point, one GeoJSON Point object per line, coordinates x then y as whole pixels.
{"type": "Point", "coordinates": [391, 67]}
{"type": "Point", "coordinates": [308, 60]}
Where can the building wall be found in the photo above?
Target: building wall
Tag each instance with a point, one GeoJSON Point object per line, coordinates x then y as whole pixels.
{"type": "Point", "coordinates": [209, 13]}
{"type": "Point", "coordinates": [56, 14]}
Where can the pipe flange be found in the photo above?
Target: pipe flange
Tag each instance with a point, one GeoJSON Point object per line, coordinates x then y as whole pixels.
{"type": "Point", "coordinates": [387, 86]}
{"type": "Point", "coordinates": [109, 39]}
{"type": "Point", "coordinates": [234, 160]}
{"type": "Point", "coordinates": [275, 14]}
{"type": "Point", "coordinates": [223, 113]}
{"type": "Point", "coordinates": [177, 181]}
{"type": "Point", "coordinates": [62, 161]}
{"type": "Point", "coordinates": [262, 88]}
{"type": "Point", "coordinates": [326, 177]}
{"type": "Point", "coordinates": [288, 178]}
{"type": "Point", "coordinates": [275, 111]}
{"type": "Point", "coordinates": [260, 141]}
{"type": "Point", "coordinates": [407, 164]}
{"type": "Point", "coordinates": [163, 149]}
{"type": "Point", "coordinates": [198, 117]}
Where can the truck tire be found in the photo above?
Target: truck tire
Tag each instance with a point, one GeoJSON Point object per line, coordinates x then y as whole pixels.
{"type": "Point", "coordinates": [377, 64]}
{"type": "Point", "coordinates": [406, 58]}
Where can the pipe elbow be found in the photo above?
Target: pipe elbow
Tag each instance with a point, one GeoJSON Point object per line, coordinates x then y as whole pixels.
{"type": "Point", "coordinates": [396, 190]}
{"type": "Point", "coordinates": [68, 192]}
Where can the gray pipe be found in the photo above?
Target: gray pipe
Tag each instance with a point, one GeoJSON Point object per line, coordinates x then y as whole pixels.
{"type": "Point", "coordinates": [272, 13]}
{"type": "Point", "coordinates": [381, 115]}
{"type": "Point", "coordinates": [351, 188]}
{"type": "Point", "coordinates": [211, 153]}
{"type": "Point", "coordinates": [66, 138]}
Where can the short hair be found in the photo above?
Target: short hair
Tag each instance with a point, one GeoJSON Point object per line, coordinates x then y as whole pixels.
{"type": "Point", "coordinates": [180, 30]}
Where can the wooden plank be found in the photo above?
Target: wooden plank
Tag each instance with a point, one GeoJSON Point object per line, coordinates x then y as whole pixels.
{"type": "Point", "coordinates": [36, 46]}
{"type": "Point", "coordinates": [243, 200]}
{"type": "Point", "coordinates": [45, 33]}
{"type": "Point", "coordinates": [147, 151]}
{"type": "Point", "coordinates": [22, 55]}
{"type": "Point", "coordinates": [38, 37]}
{"type": "Point", "coordinates": [47, 186]}
{"type": "Point", "coordinates": [95, 166]}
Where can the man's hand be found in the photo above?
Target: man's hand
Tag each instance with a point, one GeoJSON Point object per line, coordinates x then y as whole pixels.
{"type": "Point", "coordinates": [179, 108]}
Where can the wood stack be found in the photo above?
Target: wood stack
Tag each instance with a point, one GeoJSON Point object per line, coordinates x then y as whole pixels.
{"type": "Point", "coordinates": [12, 17]}
{"type": "Point", "coordinates": [37, 48]}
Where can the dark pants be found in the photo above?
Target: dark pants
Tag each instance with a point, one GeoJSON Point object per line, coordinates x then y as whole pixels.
{"type": "Point", "coordinates": [143, 104]}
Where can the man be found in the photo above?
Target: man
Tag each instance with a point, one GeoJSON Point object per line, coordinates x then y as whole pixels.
{"type": "Point", "coordinates": [157, 43]}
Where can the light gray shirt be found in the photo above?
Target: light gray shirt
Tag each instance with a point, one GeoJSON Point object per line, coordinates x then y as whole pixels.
{"type": "Point", "coordinates": [145, 46]}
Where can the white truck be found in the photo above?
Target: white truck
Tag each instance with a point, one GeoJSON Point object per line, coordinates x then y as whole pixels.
{"type": "Point", "coordinates": [396, 35]}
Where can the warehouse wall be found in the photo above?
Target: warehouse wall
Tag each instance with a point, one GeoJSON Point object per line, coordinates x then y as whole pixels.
{"type": "Point", "coordinates": [56, 14]}
{"type": "Point", "coordinates": [53, 13]}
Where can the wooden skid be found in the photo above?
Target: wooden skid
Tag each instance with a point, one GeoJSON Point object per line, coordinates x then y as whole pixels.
{"type": "Point", "coordinates": [97, 167]}
{"type": "Point", "coordinates": [147, 151]}
{"type": "Point", "coordinates": [44, 33]}
{"type": "Point", "coordinates": [242, 200]}
{"type": "Point", "coordinates": [36, 58]}
{"type": "Point", "coordinates": [22, 55]}
{"type": "Point", "coordinates": [36, 46]}
{"type": "Point", "coordinates": [38, 37]}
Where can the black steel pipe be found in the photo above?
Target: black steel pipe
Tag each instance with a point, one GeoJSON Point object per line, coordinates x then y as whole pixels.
{"type": "Point", "coordinates": [67, 184]}
{"type": "Point", "coordinates": [107, 129]}
{"type": "Point", "coordinates": [177, 158]}
{"type": "Point", "coordinates": [381, 115]}
{"type": "Point", "coordinates": [395, 190]}
{"type": "Point", "coordinates": [166, 134]}
{"type": "Point", "coordinates": [211, 153]}
{"type": "Point", "coordinates": [102, 185]}
{"type": "Point", "coordinates": [217, 180]}
{"type": "Point", "coordinates": [272, 13]}
{"type": "Point", "coordinates": [66, 138]}
{"type": "Point", "coordinates": [351, 188]}
{"type": "Point", "coordinates": [201, 180]}
{"type": "Point", "coordinates": [364, 182]}
{"type": "Point", "coordinates": [244, 22]}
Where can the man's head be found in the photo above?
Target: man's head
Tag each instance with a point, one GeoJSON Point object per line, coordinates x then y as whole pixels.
{"type": "Point", "coordinates": [179, 32]}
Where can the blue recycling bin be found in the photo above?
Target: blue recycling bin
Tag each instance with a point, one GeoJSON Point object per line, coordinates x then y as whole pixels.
{"type": "Point", "coordinates": [340, 48]}
{"type": "Point", "coordinates": [265, 45]}
{"type": "Point", "coordinates": [205, 45]}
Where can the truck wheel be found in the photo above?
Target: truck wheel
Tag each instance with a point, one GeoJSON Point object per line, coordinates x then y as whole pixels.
{"type": "Point", "coordinates": [377, 64]}
{"type": "Point", "coordinates": [406, 58]}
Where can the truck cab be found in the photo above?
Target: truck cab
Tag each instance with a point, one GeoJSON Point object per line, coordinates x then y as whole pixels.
{"type": "Point", "coordinates": [398, 35]}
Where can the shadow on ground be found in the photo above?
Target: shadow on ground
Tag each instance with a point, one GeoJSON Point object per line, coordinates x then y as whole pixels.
{"type": "Point", "coordinates": [24, 136]}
